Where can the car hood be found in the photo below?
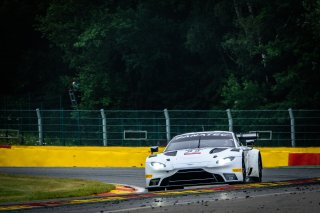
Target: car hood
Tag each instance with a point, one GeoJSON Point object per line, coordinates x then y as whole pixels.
{"type": "Point", "coordinates": [189, 158]}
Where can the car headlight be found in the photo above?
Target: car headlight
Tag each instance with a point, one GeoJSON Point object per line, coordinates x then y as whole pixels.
{"type": "Point", "coordinates": [157, 165]}
{"type": "Point", "coordinates": [224, 161]}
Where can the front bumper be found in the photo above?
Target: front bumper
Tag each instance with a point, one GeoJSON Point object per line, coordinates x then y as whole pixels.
{"type": "Point", "coordinates": [194, 176]}
{"type": "Point", "coordinates": [187, 177]}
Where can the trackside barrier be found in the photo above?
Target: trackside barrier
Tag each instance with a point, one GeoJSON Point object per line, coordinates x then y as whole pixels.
{"type": "Point", "coordinates": [71, 156]}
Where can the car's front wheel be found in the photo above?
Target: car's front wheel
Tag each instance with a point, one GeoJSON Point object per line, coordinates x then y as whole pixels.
{"type": "Point", "coordinates": [156, 189]}
{"type": "Point", "coordinates": [244, 170]}
{"type": "Point", "coordinates": [259, 178]}
{"type": "Point", "coordinates": [174, 187]}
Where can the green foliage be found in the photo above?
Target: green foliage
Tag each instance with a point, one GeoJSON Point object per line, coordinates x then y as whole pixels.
{"type": "Point", "coordinates": [151, 54]}
{"type": "Point", "coordinates": [242, 95]}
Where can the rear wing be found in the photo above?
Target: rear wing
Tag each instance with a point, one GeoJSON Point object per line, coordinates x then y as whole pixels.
{"type": "Point", "coordinates": [248, 136]}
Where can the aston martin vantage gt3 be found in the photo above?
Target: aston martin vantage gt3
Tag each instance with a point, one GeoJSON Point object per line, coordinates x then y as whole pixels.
{"type": "Point", "coordinates": [202, 158]}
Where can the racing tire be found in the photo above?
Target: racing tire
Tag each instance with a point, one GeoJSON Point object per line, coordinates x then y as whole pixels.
{"type": "Point", "coordinates": [259, 178]}
{"type": "Point", "coordinates": [156, 189]}
{"type": "Point", "coordinates": [174, 187]}
{"type": "Point", "coordinates": [244, 171]}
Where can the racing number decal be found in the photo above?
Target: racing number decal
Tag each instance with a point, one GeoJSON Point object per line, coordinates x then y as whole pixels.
{"type": "Point", "coordinates": [192, 151]}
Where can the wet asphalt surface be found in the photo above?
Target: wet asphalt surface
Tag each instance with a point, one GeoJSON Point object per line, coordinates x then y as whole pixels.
{"type": "Point", "coordinates": [292, 199]}
{"type": "Point", "coordinates": [135, 176]}
{"type": "Point", "coordinates": [302, 198]}
{"type": "Point", "coordinates": [130, 176]}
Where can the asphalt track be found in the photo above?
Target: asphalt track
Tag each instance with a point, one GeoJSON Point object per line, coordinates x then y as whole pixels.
{"type": "Point", "coordinates": [277, 197]}
{"type": "Point", "coordinates": [135, 176]}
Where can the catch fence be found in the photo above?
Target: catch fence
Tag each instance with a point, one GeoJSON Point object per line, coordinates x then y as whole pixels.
{"type": "Point", "coordinates": [299, 128]}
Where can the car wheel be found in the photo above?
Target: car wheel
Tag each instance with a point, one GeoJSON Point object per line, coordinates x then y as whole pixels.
{"type": "Point", "coordinates": [244, 171]}
{"type": "Point", "coordinates": [259, 178]}
{"type": "Point", "coordinates": [155, 189]}
{"type": "Point", "coordinates": [174, 187]}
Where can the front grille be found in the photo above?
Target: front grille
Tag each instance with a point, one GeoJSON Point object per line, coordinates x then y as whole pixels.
{"type": "Point", "coordinates": [191, 177]}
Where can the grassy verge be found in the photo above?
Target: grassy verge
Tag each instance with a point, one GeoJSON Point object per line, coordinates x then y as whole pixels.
{"type": "Point", "coordinates": [15, 188]}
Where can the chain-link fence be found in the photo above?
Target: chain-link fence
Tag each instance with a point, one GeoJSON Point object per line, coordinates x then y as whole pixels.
{"type": "Point", "coordinates": [147, 128]}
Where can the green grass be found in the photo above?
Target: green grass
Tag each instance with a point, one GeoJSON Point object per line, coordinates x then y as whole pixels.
{"type": "Point", "coordinates": [15, 188]}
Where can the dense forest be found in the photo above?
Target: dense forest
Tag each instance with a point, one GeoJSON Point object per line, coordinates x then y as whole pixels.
{"type": "Point", "coordinates": [151, 54]}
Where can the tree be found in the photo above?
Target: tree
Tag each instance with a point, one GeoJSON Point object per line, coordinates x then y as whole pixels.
{"type": "Point", "coordinates": [148, 54]}
{"type": "Point", "coordinates": [273, 49]}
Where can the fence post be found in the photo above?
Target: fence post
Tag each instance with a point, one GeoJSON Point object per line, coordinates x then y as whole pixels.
{"type": "Point", "coordinates": [62, 127]}
{"type": "Point", "coordinates": [40, 127]}
{"type": "Point", "coordinates": [78, 127]}
{"type": "Point", "coordinates": [292, 125]}
{"type": "Point", "coordinates": [104, 127]}
{"type": "Point", "coordinates": [166, 115]}
{"type": "Point", "coordinates": [230, 121]}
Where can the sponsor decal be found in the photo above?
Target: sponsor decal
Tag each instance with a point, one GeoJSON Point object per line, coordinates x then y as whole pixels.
{"type": "Point", "coordinates": [192, 152]}
{"type": "Point", "coordinates": [204, 134]}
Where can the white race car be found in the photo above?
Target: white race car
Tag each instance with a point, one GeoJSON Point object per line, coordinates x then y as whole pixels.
{"type": "Point", "coordinates": [200, 158]}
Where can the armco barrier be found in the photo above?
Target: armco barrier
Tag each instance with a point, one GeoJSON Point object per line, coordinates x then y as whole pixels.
{"type": "Point", "coordinates": [277, 157]}
{"type": "Point", "coordinates": [61, 156]}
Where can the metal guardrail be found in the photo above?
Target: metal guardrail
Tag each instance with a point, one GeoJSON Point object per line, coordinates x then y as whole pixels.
{"type": "Point", "coordinates": [289, 128]}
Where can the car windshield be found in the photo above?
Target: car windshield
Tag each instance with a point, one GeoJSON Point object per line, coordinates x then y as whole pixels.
{"type": "Point", "coordinates": [201, 140]}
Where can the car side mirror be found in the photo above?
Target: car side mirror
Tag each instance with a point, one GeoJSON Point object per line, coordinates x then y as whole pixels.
{"type": "Point", "coordinates": [154, 149]}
